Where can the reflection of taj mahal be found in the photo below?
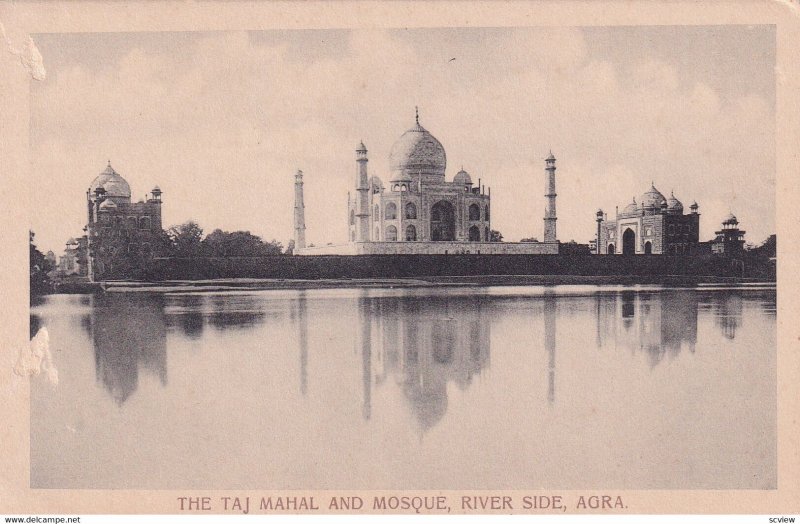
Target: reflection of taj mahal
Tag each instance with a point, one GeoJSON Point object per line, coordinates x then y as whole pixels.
{"type": "Point", "coordinates": [418, 211]}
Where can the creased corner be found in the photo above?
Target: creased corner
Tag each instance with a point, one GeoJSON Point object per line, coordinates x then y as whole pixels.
{"type": "Point", "coordinates": [28, 53]}
{"type": "Point", "coordinates": [36, 358]}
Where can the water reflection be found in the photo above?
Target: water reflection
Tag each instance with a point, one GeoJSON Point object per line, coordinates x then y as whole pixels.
{"type": "Point", "coordinates": [659, 323]}
{"type": "Point", "coordinates": [129, 334]}
{"type": "Point", "coordinates": [422, 346]}
{"type": "Point", "coordinates": [418, 344]}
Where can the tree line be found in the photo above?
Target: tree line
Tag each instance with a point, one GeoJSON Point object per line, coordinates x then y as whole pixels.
{"type": "Point", "coordinates": [187, 240]}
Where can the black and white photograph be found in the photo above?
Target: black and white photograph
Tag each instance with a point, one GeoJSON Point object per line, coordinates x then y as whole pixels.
{"type": "Point", "coordinates": [511, 268]}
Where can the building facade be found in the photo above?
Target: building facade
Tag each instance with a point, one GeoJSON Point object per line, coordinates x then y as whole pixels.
{"type": "Point", "coordinates": [121, 235]}
{"type": "Point", "coordinates": [418, 211]}
{"type": "Point", "coordinates": [654, 226]}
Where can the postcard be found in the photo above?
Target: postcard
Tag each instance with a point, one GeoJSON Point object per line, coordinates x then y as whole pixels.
{"type": "Point", "coordinates": [402, 258]}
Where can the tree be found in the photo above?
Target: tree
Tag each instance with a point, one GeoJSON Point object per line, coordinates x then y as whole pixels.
{"type": "Point", "coordinates": [186, 239]}
{"type": "Point", "coordinates": [238, 244]}
{"type": "Point", "coordinates": [768, 248]}
{"type": "Point", "coordinates": [495, 236]}
{"type": "Point", "coordinates": [39, 281]}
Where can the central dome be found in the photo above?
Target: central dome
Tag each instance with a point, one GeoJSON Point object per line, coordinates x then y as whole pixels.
{"type": "Point", "coordinates": [417, 152]}
{"type": "Point", "coordinates": [653, 199]}
{"type": "Point", "coordinates": [112, 182]}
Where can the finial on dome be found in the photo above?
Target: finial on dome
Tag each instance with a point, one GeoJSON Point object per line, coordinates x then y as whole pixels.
{"type": "Point", "coordinates": [109, 162]}
{"type": "Point", "coordinates": [416, 111]}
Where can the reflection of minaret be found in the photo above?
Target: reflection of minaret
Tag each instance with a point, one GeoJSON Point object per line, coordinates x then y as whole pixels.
{"type": "Point", "coordinates": [129, 332]}
{"type": "Point", "coordinates": [365, 320]}
{"type": "Point", "coordinates": [550, 343]}
{"type": "Point", "coordinates": [302, 335]}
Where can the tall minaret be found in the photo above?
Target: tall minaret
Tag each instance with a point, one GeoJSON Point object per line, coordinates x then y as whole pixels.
{"type": "Point", "coordinates": [299, 212]}
{"type": "Point", "coordinates": [362, 195]}
{"type": "Point", "coordinates": [550, 213]}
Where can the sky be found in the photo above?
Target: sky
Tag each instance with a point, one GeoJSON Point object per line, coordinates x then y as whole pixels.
{"type": "Point", "coordinates": [221, 121]}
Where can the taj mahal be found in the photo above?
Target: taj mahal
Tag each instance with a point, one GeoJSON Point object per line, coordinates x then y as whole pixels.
{"type": "Point", "coordinates": [418, 211]}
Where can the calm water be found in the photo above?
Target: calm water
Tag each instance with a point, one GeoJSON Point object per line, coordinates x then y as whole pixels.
{"type": "Point", "coordinates": [524, 387]}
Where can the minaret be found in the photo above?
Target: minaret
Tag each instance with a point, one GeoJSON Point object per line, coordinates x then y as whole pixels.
{"type": "Point", "coordinates": [550, 213]}
{"type": "Point", "coordinates": [599, 222]}
{"type": "Point", "coordinates": [362, 192]}
{"type": "Point", "coordinates": [299, 212]}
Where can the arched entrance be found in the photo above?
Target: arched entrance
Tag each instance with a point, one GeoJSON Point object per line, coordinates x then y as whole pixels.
{"type": "Point", "coordinates": [474, 234]}
{"type": "Point", "coordinates": [648, 248]}
{"type": "Point", "coordinates": [611, 249]}
{"type": "Point", "coordinates": [628, 242]}
{"type": "Point", "coordinates": [443, 221]}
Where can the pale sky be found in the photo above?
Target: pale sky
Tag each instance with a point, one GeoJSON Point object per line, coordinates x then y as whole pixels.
{"type": "Point", "coordinates": [221, 121]}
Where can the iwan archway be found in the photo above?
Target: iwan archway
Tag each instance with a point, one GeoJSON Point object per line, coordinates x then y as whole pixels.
{"type": "Point", "coordinates": [443, 221]}
{"type": "Point", "coordinates": [629, 242]}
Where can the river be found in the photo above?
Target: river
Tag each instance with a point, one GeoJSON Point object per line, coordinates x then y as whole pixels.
{"type": "Point", "coordinates": [563, 387]}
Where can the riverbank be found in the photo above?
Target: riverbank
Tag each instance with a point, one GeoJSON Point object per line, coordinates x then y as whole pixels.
{"type": "Point", "coordinates": [232, 284]}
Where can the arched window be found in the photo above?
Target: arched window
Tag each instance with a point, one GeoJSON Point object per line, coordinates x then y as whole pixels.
{"type": "Point", "coordinates": [391, 234]}
{"type": "Point", "coordinates": [611, 249]}
{"type": "Point", "coordinates": [377, 215]}
{"type": "Point", "coordinates": [118, 221]}
{"type": "Point", "coordinates": [474, 212]}
{"type": "Point", "coordinates": [377, 234]}
{"type": "Point", "coordinates": [352, 217]}
{"type": "Point", "coordinates": [474, 233]}
{"type": "Point", "coordinates": [648, 248]}
{"type": "Point", "coordinates": [391, 211]}
{"type": "Point", "coordinates": [486, 214]}
{"type": "Point", "coordinates": [486, 236]}
{"type": "Point", "coordinates": [411, 211]}
{"type": "Point", "coordinates": [132, 222]}
{"type": "Point", "coordinates": [144, 223]}
{"type": "Point", "coordinates": [411, 233]}
{"type": "Point", "coordinates": [352, 236]}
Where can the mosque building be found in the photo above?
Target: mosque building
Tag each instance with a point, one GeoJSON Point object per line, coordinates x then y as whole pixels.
{"type": "Point", "coordinates": [118, 230]}
{"type": "Point", "coordinates": [418, 211]}
{"type": "Point", "coordinates": [655, 225]}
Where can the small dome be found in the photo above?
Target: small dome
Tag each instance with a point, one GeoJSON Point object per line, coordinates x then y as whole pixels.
{"type": "Point", "coordinates": [551, 158]}
{"type": "Point", "coordinates": [730, 219]}
{"type": "Point", "coordinates": [673, 204]}
{"type": "Point", "coordinates": [108, 204]}
{"type": "Point", "coordinates": [418, 152]}
{"type": "Point", "coordinates": [462, 178]}
{"type": "Point", "coordinates": [631, 208]}
{"type": "Point", "coordinates": [376, 183]}
{"type": "Point", "coordinates": [694, 205]}
{"type": "Point", "coordinates": [361, 148]}
{"type": "Point", "coordinates": [112, 182]}
{"type": "Point", "coordinates": [653, 199]}
{"type": "Point", "coordinates": [156, 189]}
